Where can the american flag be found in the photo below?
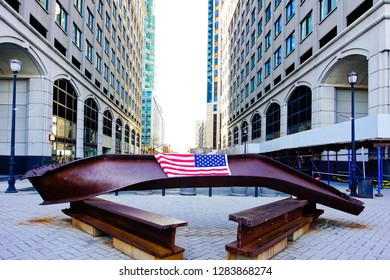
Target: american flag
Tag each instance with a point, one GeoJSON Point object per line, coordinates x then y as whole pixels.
{"type": "Point", "coordinates": [193, 164]}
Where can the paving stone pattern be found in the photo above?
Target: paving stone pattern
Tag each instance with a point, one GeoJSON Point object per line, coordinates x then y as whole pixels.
{"type": "Point", "coordinates": [29, 231]}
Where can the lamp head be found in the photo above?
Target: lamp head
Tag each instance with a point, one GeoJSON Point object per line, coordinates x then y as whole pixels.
{"type": "Point", "coordinates": [352, 78]}
{"type": "Point", "coordinates": [16, 65]}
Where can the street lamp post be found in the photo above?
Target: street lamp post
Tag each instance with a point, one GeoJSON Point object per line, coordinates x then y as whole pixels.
{"type": "Point", "coordinates": [352, 78]}
{"type": "Point", "coordinates": [15, 68]}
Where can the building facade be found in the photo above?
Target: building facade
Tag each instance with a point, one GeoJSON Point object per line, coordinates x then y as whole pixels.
{"type": "Point", "coordinates": [81, 78]}
{"type": "Point", "coordinates": [152, 118]}
{"type": "Point", "coordinates": [212, 123]}
{"type": "Point", "coordinates": [284, 74]}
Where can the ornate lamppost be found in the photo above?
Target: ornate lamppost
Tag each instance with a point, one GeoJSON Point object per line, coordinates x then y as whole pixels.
{"type": "Point", "coordinates": [15, 68]}
{"type": "Point", "coordinates": [352, 79]}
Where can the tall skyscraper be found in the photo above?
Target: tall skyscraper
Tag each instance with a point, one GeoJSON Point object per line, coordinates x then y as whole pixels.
{"type": "Point", "coordinates": [212, 123]}
{"type": "Point", "coordinates": [81, 78]}
{"type": "Point", "coordinates": [284, 78]}
{"type": "Point", "coordinates": [152, 119]}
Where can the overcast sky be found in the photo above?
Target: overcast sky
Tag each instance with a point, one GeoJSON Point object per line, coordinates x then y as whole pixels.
{"type": "Point", "coordinates": [181, 67]}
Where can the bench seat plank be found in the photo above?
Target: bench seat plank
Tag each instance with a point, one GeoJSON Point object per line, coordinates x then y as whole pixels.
{"type": "Point", "coordinates": [260, 214]}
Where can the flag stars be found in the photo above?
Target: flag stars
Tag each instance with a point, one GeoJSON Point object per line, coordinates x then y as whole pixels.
{"type": "Point", "coordinates": [209, 160]}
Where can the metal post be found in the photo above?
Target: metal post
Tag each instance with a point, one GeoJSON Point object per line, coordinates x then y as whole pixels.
{"type": "Point", "coordinates": [379, 151]}
{"type": "Point", "coordinates": [11, 179]}
{"type": "Point", "coordinates": [353, 185]}
{"type": "Point", "coordinates": [327, 156]}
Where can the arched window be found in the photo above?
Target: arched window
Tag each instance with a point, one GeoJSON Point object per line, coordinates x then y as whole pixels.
{"type": "Point", "coordinates": [118, 136]}
{"type": "Point", "coordinates": [273, 122]}
{"type": "Point", "coordinates": [235, 136]}
{"type": "Point", "coordinates": [299, 110]}
{"type": "Point", "coordinates": [64, 120]}
{"type": "Point", "coordinates": [229, 138]}
{"type": "Point", "coordinates": [244, 132]}
{"type": "Point", "coordinates": [107, 123]}
{"type": "Point", "coordinates": [256, 126]}
{"type": "Point", "coordinates": [90, 127]}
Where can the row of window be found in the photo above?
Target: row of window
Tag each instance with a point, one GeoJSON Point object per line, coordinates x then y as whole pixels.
{"type": "Point", "coordinates": [276, 60]}
{"type": "Point", "coordinates": [112, 78]}
{"type": "Point", "coordinates": [65, 121]}
{"type": "Point", "coordinates": [299, 109]}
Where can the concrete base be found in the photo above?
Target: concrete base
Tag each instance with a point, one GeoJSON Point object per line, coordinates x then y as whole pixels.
{"type": "Point", "coordinates": [272, 251]}
{"type": "Point", "coordinates": [124, 247]}
{"type": "Point", "coordinates": [266, 255]}
{"type": "Point", "coordinates": [138, 254]}
{"type": "Point", "coordinates": [87, 228]}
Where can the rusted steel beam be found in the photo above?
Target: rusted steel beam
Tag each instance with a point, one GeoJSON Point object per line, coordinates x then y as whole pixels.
{"type": "Point", "coordinates": [262, 227]}
{"type": "Point", "coordinates": [149, 232]}
{"type": "Point", "coordinates": [93, 176]}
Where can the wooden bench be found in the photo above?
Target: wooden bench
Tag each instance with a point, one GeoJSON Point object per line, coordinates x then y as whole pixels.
{"type": "Point", "coordinates": [263, 231]}
{"type": "Point", "coordinates": [135, 232]}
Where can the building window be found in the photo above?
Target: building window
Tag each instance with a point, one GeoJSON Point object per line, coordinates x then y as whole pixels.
{"type": "Point", "coordinates": [290, 43]}
{"type": "Point", "coordinates": [61, 17]}
{"type": "Point", "coordinates": [306, 26]}
{"type": "Point", "coordinates": [99, 35]}
{"type": "Point", "coordinates": [299, 110]}
{"type": "Point", "coordinates": [259, 76]}
{"type": "Point", "coordinates": [259, 4]}
{"type": "Point", "coordinates": [235, 136]}
{"type": "Point", "coordinates": [278, 57]}
{"type": "Point", "coordinates": [259, 51]}
{"type": "Point", "coordinates": [100, 8]}
{"type": "Point", "coordinates": [253, 84]}
{"type": "Point", "coordinates": [278, 26]}
{"type": "Point", "coordinates": [229, 139]}
{"type": "Point", "coordinates": [64, 120]}
{"type": "Point", "coordinates": [107, 123]}
{"type": "Point", "coordinates": [267, 67]}
{"type": "Point", "coordinates": [44, 3]}
{"type": "Point", "coordinates": [277, 2]}
{"type": "Point", "coordinates": [106, 47]}
{"type": "Point", "coordinates": [326, 7]}
{"type": "Point", "coordinates": [118, 136]}
{"type": "Point", "coordinates": [268, 40]}
{"type": "Point", "coordinates": [89, 51]}
{"type": "Point", "coordinates": [268, 13]}
{"type": "Point", "coordinates": [290, 10]}
{"type": "Point", "coordinates": [256, 126]}
{"type": "Point", "coordinates": [108, 22]}
{"type": "Point", "coordinates": [79, 5]}
{"type": "Point", "coordinates": [98, 63]}
{"type": "Point", "coordinates": [273, 122]}
{"type": "Point", "coordinates": [244, 132]}
{"type": "Point", "coordinates": [106, 72]}
{"type": "Point", "coordinates": [76, 36]}
{"type": "Point", "coordinates": [90, 19]}
{"type": "Point", "coordinates": [259, 27]}
{"type": "Point", "coordinates": [90, 127]}
{"type": "Point", "coordinates": [253, 61]}
{"type": "Point", "coordinates": [127, 138]}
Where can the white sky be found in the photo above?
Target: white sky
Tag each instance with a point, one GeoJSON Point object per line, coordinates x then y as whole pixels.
{"type": "Point", "coordinates": [181, 67]}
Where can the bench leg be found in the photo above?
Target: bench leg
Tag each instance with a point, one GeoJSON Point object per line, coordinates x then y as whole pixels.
{"type": "Point", "coordinates": [87, 228]}
{"type": "Point", "coordinates": [138, 254]}
{"type": "Point", "coordinates": [265, 255]}
{"type": "Point", "coordinates": [298, 233]}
